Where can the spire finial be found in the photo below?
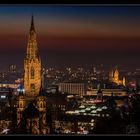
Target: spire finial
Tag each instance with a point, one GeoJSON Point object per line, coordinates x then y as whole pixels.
{"type": "Point", "coordinates": [32, 24]}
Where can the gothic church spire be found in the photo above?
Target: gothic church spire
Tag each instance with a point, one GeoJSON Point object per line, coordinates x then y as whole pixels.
{"type": "Point", "coordinates": [32, 28]}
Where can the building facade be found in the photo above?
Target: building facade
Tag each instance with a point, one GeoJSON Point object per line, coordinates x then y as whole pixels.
{"type": "Point", "coordinates": [73, 88]}
{"type": "Point", "coordinates": [31, 106]}
{"type": "Point", "coordinates": [31, 114]}
{"type": "Point", "coordinates": [32, 65]}
{"type": "Point", "coordinates": [114, 77]}
{"type": "Point", "coordinates": [108, 92]}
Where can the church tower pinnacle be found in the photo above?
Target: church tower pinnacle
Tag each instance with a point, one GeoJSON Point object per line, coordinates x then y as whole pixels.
{"type": "Point", "coordinates": [32, 28]}
{"type": "Point", "coordinates": [32, 65]}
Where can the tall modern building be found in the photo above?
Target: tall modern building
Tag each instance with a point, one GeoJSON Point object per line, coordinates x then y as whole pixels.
{"type": "Point", "coordinates": [32, 65]}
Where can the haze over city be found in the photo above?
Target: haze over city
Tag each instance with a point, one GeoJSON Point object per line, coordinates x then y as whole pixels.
{"type": "Point", "coordinates": [72, 35]}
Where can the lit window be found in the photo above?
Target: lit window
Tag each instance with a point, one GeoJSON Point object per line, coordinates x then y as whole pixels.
{"type": "Point", "coordinates": [32, 73]}
{"type": "Point", "coordinates": [41, 105]}
{"type": "Point", "coordinates": [32, 86]}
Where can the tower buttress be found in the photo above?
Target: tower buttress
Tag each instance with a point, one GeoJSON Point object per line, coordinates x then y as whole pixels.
{"type": "Point", "coordinates": [21, 104]}
{"type": "Point", "coordinates": [41, 106]}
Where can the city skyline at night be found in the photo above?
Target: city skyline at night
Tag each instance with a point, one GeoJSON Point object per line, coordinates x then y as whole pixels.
{"type": "Point", "coordinates": [72, 35]}
{"type": "Point", "coordinates": [69, 70]}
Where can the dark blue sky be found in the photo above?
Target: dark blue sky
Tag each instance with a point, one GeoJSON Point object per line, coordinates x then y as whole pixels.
{"type": "Point", "coordinates": [72, 35]}
{"type": "Point", "coordinates": [72, 10]}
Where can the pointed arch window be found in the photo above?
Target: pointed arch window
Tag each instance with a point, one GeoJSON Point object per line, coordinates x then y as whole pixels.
{"type": "Point", "coordinates": [32, 86]}
{"type": "Point", "coordinates": [32, 72]}
{"type": "Point", "coordinates": [20, 104]}
{"type": "Point", "coordinates": [41, 105]}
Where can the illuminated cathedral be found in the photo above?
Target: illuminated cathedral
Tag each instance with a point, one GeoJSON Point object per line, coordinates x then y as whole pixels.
{"type": "Point", "coordinates": [114, 77]}
{"type": "Point", "coordinates": [32, 65]}
{"type": "Point", "coordinates": [31, 106]}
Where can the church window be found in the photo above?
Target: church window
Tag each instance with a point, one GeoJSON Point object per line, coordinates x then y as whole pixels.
{"type": "Point", "coordinates": [20, 105]}
{"type": "Point", "coordinates": [32, 73]}
{"type": "Point", "coordinates": [32, 86]}
{"type": "Point", "coordinates": [41, 105]}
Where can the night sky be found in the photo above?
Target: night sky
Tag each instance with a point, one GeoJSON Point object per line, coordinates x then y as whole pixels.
{"type": "Point", "coordinates": [72, 35]}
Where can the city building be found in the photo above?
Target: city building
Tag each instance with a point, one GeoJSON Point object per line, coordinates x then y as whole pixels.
{"type": "Point", "coordinates": [100, 95]}
{"type": "Point", "coordinates": [52, 89]}
{"type": "Point", "coordinates": [32, 65]}
{"type": "Point", "coordinates": [31, 115]}
{"type": "Point", "coordinates": [6, 94]}
{"type": "Point", "coordinates": [73, 88]}
{"type": "Point", "coordinates": [12, 68]}
{"type": "Point", "coordinates": [107, 92]}
{"type": "Point", "coordinates": [114, 77]}
{"type": "Point", "coordinates": [31, 106]}
{"type": "Point", "coordinates": [9, 85]}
